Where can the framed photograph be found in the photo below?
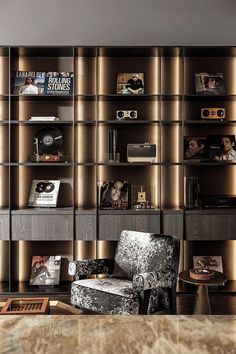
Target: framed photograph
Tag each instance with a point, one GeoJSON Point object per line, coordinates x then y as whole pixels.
{"type": "Point", "coordinates": [114, 195]}
{"type": "Point", "coordinates": [210, 84]}
{"type": "Point", "coordinates": [222, 147]}
{"type": "Point", "coordinates": [208, 262]}
{"type": "Point", "coordinates": [196, 147]}
{"type": "Point", "coordinates": [130, 83]}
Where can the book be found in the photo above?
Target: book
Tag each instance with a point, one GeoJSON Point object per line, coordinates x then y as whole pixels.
{"type": "Point", "coordinates": [210, 84]}
{"type": "Point", "coordinates": [29, 83]}
{"type": "Point", "coordinates": [43, 83]}
{"type": "Point", "coordinates": [44, 193]}
{"type": "Point", "coordinates": [45, 270]}
{"type": "Point", "coordinates": [44, 119]}
{"type": "Point", "coordinates": [58, 83]}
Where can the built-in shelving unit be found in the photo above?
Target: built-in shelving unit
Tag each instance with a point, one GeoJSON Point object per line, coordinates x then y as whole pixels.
{"type": "Point", "coordinates": [169, 110]}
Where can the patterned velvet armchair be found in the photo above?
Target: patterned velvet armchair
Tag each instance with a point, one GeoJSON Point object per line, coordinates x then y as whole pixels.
{"type": "Point", "coordinates": [141, 279]}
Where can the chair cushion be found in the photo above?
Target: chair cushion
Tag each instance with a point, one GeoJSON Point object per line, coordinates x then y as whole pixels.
{"type": "Point", "coordinates": [108, 296]}
{"type": "Point", "coordinates": [141, 252]}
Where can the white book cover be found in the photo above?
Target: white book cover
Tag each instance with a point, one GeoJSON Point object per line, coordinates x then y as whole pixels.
{"type": "Point", "coordinates": [44, 193]}
{"type": "Point", "coordinates": [46, 118]}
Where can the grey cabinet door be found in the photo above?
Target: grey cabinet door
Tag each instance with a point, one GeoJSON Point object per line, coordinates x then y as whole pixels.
{"type": "Point", "coordinates": [110, 226]}
{"type": "Point", "coordinates": [42, 227]}
{"type": "Point", "coordinates": [85, 227]}
{"type": "Point", "coordinates": [173, 225]}
{"type": "Point", "coordinates": [210, 227]}
{"type": "Point", "coordinates": [4, 227]}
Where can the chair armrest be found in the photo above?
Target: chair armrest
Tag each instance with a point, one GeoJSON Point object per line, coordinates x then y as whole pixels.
{"type": "Point", "coordinates": [153, 280]}
{"type": "Point", "coordinates": [91, 266]}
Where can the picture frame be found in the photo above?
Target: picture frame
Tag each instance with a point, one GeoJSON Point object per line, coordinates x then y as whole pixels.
{"type": "Point", "coordinates": [212, 262]}
{"type": "Point", "coordinates": [130, 83]}
{"type": "Point", "coordinates": [210, 83]}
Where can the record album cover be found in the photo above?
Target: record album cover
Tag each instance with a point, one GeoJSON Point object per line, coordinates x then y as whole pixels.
{"type": "Point", "coordinates": [59, 83]}
{"type": "Point", "coordinates": [114, 195]}
{"type": "Point", "coordinates": [44, 193]}
{"type": "Point", "coordinates": [210, 84]}
{"type": "Point", "coordinates": [45, 270]}
{"type": "Point", "coordinates": [29, 83]}
{"type": "Point", "coordinates": [130, 83]}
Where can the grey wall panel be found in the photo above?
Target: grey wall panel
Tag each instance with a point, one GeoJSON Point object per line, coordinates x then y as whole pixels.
{"type": "Point", "coordinates": [173, 225]}
{"type": "Point", "coordinates": [112, 22]}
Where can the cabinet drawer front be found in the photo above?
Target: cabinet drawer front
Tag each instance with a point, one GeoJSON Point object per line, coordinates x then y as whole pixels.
{"type": "Point", "coordinates": [42, 227]}
{"type": "Point", "coordinates": [85, 227]}
{"type": "Point", "coordinates": [4, 227]}
{"type": "Point", "coordinates": [173, 225]}
{"type": "Point", "coordinates": [207, 227]}
{"type": "Point", "coordinates": [110, 226]}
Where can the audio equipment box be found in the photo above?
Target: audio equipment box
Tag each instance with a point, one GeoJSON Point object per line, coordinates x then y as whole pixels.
{"type": "Point", "coordinates": [218, 201]}
{"type": "Point", "coordinates": [141, 152]}
{"type": "Point", "coordinates": [213, 113]}
{"type": "Point", "coordinates": [126, 115]}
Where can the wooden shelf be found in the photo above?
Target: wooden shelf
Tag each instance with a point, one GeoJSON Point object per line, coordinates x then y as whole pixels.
{"type": "Point", "coordinates": [25, 288]}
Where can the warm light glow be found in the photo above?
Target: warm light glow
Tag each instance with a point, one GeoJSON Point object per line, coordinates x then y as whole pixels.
{"type": "Point", "coordinates": [84, 250]}
{"type": "Point", "coordinates": [4, 260]}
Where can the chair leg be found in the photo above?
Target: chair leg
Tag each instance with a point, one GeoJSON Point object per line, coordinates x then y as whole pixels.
{"type": "Point", "coordinates": [144, 302]}
{"type": "Point", "coordinates": [173, 300]}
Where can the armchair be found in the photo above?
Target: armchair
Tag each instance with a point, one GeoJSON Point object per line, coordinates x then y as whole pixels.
{"type": "Point", "coordinates": [141, 279]}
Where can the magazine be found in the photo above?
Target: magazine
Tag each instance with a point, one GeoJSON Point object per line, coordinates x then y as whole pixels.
{"type": "Point", "coordinates": [44, 193]}
{"type": "Point", "coordinates": [130, 83]}
{"type": "Point", "coordinates": [114, 195]}
{"type": "Point", "coordinates": [45, 270]}
{"type": "Point", "coordinates": [43, 83]}
{"type": "Point", "coordinates": [210, 84]}
{"type": "Point", "coordinates": [29, 83]}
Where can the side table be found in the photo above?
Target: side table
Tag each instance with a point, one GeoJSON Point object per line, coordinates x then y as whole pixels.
{"type": "Point", "coordinates": [202, 304]}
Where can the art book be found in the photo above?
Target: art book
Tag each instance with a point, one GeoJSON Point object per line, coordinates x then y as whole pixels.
{"type": "Point", "coordinates": [59, 83]}
{"type": "Point", "coordinates": [29, 83]}
{"type": "Point", "coordinates": [44, 193]}
{"type": "Point", "coordinates": [45, 270]}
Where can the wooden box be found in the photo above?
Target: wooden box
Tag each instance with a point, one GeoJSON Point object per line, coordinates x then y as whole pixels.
{"type": "Point", "coordinates": [26, 306]}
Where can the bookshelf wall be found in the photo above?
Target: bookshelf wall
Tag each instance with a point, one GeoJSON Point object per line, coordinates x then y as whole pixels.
{"type": "Point", "coordinates": [167, 111]}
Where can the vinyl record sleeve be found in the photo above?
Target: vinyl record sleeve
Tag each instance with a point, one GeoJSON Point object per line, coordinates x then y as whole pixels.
{"type": "Point", "coordinates": [44, 193]}
{"type": "Point", "coordinates": [45, 270]}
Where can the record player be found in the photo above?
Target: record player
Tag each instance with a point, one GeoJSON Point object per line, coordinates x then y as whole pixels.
{"type": "Point", "coordinates": [48, 142]}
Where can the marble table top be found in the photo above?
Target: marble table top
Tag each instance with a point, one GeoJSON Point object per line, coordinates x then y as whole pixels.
{"type": "Point", "coordinates": [117, 334]}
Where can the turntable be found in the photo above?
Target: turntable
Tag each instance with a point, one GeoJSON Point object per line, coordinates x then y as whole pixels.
{"type": "Point", "coordinates": [48, 142]}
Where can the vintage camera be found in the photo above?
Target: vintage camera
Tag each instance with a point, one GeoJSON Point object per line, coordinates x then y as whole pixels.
{"type": "Point", "coordinates": [126, 115]}
{"type": "Point", "coordinates": [213, 113]}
